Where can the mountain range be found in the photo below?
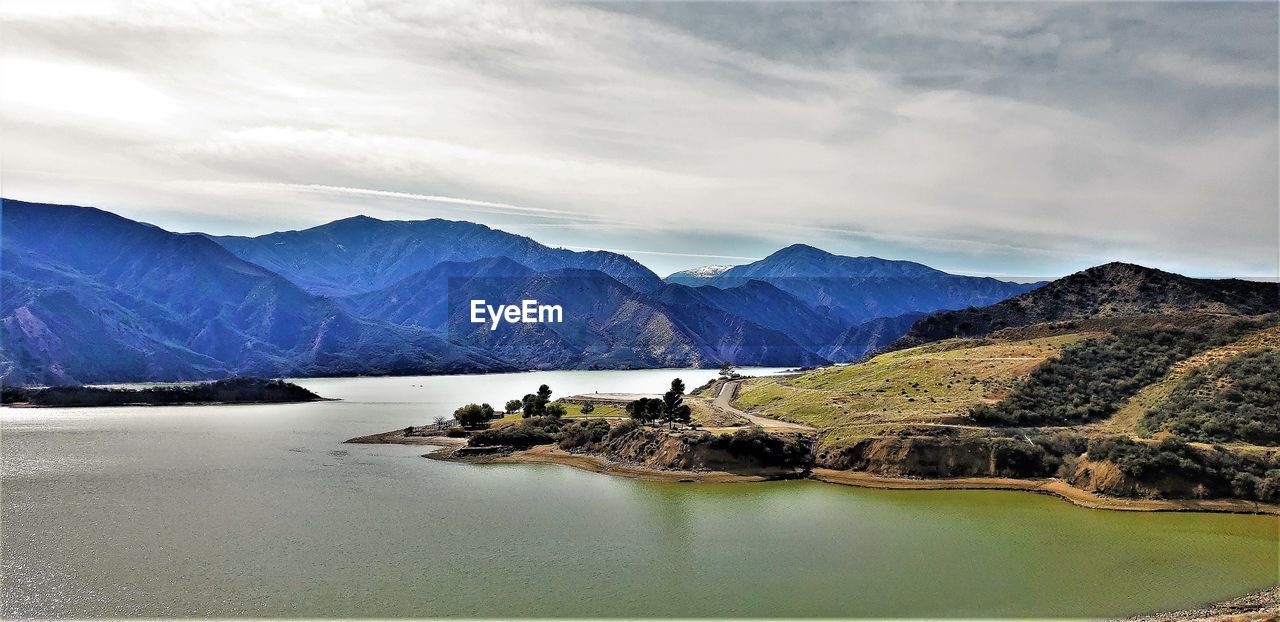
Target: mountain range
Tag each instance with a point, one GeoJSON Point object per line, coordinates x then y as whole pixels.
{"type": "Point", "coordinates": [92, 297]}
{"type": "Point", "coordinates": [852, 290]}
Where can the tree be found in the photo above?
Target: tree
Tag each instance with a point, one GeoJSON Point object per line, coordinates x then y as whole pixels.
{"type": "Point", "coordinates": [514, 405]}
{"type": "Point", "coordinates": [726, 370]}
{"type": "Point", "coordinates": [535, 405]}
{"type": "Point", "coordinates": [470, 416]}
{"type": "Point", "coordinates": [488, 411]}
{"type": "Point", "coordinates": [554, 411]}
{"type": "Point", "coordinates": [588, 408]}
{"type": "Point", "coordinates": [645, 409]}
{"type": "Point", "coordinates": [674, 410]}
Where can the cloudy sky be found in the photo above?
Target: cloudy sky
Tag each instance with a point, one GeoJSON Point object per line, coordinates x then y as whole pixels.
{"type": "Point", "coordinates": [1024, 139]}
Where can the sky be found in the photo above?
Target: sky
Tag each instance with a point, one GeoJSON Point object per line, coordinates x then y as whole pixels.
{"type": "Point", "coordinates": [1011, 139]}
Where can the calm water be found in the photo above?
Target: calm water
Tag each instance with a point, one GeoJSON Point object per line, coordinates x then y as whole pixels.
{"type": "Point", "coordinates": [261, 511]}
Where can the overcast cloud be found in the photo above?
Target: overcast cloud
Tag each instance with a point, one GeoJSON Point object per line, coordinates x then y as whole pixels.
{"type": "Point", "coordinates": [1019, 138]}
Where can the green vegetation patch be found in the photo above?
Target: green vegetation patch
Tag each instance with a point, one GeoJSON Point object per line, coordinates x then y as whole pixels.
{"type": "Point", "coordinates": [1093, 379]}
{"type": "Point", "coordinates": [1235, 402]}
{"type": "Point", "coordinates": [1217, 472]}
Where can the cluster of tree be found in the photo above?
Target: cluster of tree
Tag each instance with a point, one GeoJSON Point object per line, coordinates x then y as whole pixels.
{"type": "Point", "coordinates": [474, 416]}
{"type": "Point", "coordinates": [669, 409]}
{"type": "Point", "coordinates": [1238, 402]}
{"type": "Point", "coordinates": [238, 390]}
{"type": "Point", "coordinates": [1093, 378]}
{"type": "Point", "coordinates": [536, 404]}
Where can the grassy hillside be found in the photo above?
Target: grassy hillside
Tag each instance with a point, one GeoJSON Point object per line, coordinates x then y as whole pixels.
{"type": "Point", "coordinates": [1128, 419]}
{"type": "Point", "coordinates": [1154, 407]}
{"type": "Point", "coordinates": [936, 384]}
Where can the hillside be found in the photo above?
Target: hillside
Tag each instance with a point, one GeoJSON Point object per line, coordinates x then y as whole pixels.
{"type": "Point", "coordinates": [1116, 407]}
{"type": "Point", "coordinates": [1110, 290]}
{"type": "Point", "coordinates": [363, 254]}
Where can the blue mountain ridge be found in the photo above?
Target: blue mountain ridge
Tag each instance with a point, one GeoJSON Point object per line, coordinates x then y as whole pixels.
{"type": "Point", "coordinates": [363, 254]}
{"type": "Point", "coordinates": [89, 296]}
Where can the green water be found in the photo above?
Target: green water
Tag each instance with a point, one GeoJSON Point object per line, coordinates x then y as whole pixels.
{"type": "Point", "coordinates": [260, 511]}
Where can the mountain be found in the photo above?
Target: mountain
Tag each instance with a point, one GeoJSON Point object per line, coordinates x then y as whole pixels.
{"type": "Point", "coordinates": [869, 336]}
{"type": "Point", "coordinates": [606, 324]}
{"type": "Point", "coordinates": [363, 254]}
{"type": "Point", "coordinates": [694, 277]}
{"type": "Point", "coordinates": [852, 290]}
{"type": "Point", "coordinates": [1110, 290]}
{"type": "Point", "coordinates": [90, 296]}
{"type": "Point", "coordinates": [763, 304]}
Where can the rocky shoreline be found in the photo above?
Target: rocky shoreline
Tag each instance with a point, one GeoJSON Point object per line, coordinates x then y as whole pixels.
{"type": "Point", "coordinates": [1255, 606]}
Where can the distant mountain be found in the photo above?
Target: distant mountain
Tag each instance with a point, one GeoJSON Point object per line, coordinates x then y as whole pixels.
{"type": "Point", "coordinates": [1110, 290]}
{"type": "Point", "coordinates": [363, 254]}
{"type": "Point", "coordinates": [852, 290]}
{"type": "Point", "coordinates": [93, 297]}
{"type": "Point", "coordinates": [606, 324]}
{"type": "Point", "coordinates": [869, 336]}
{"type": "Point", "coordinates": [763, 304]}
{"type": "Point", "coordinates": [694, 277]}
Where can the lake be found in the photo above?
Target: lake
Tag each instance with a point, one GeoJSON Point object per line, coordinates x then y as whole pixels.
{"type": "Point", "coordinates": [261, 511]}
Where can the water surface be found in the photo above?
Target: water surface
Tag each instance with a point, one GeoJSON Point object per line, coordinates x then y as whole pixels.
{"type": "Point", "coordinates": [238, 511]}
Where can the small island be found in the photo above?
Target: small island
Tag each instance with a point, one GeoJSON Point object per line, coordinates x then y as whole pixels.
{"type": "Point", "coordinates": [239, 390]}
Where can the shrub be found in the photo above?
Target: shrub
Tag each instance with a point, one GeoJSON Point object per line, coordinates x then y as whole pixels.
{"type": "Point", "coordinates": [1218, 470]}
{"type": "Point", "coordinates": [524, 433]}
{"type": "Point", "coordinates": [766, 449]}
{"type": "Point", "coordinates": [1091, 379]}
{"type": "Point", "coordinates": [1015, 458]}
{"type": "Point", "coordinates": [1236, 402]}
{"type": "Point", "coordinates": [583, 434]}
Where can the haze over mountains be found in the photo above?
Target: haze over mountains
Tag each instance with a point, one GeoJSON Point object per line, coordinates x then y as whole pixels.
{"type": "Point", "coordinates": [90, 296]}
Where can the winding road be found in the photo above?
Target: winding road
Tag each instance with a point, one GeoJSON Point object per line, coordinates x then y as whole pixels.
{"type": "Point", "coordinates": [724, 401]}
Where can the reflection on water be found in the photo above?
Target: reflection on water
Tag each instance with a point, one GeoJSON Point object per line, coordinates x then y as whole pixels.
{"type": "Point", "coordinates": [261, 511]}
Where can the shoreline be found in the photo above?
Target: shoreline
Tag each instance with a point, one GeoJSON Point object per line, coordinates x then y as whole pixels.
{"type": "Point", "coordinates": [550, 454]}
{"type": "Point", "coordinates": [1260, 605]}
{"type": "Point", "coordinates": [24, 405]}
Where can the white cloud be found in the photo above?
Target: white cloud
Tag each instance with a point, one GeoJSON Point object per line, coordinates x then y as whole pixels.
{"type": "Point", "coordinates": [551, 111]}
